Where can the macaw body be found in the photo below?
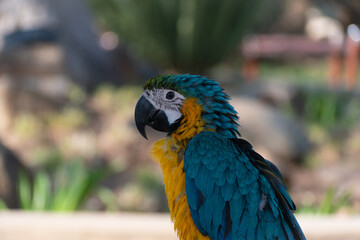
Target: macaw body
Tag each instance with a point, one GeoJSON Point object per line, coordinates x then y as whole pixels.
{"type": "Point", "coordinates": [217, 186]}
{"type": "Point", "coordinates": [169, 152]}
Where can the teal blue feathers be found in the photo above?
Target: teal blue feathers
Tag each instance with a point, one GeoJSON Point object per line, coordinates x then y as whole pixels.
{"type": "Point", "coordinates": [230, 195]}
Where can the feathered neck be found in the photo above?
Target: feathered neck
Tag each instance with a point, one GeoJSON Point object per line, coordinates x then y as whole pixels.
{"type": "Point", "coordinates": [191, 123]}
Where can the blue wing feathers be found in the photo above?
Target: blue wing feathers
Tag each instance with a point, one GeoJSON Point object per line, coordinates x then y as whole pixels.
{"type": "Point", "coordinates": [274, 168]}
{"type": "Point", "coordinates": [201, 181]}
{"type": "Point", "coordinates": [193, 196]}
{"type": "Point", "coordinates": [227, 191]}
{"type": "Point", "coordinates": [269, 170]}
{"type": "Point", "coordinates": [194, 201]}
{"type": "Point", "coordinates": [233, 193]}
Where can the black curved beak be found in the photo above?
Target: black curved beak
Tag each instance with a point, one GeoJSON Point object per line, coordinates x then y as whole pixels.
{"type": "Point", "coordinates": [147, 114]}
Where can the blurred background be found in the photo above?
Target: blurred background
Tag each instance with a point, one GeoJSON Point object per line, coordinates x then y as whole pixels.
{"type": "Point", "coordinates": [71, 72]}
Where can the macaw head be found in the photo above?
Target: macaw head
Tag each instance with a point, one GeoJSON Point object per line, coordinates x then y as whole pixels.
{"type": "Point", "coordinates": [185, 105]}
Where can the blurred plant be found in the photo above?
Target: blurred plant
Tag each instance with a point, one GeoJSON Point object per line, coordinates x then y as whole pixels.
{"type": "Point", "coordinates": [77, 95]}
{"type": "Point", "coordinates": [27, 126]}
{"type": "Point", "coordinates": [48, 156]}
{"type": "Point", "coordinates": [110, 99]}
{"type": "Point", "coordinates": [2, 205]}
{"type": "Point", "coordinates": [331, 109]}
{"type": "Point", "coordinates": [300, 73]}
{"type": "Point", "coordinates": [188, 35]}
{"type": "Point", "coordinates": [108, 198]}
{"type": "Point", "coordinates": [323, 109]}
{"type": "Point", "coordinates": [326, 109]}
{"type": "Point", "coordinates": [144, 193]}
{"type": "Point", "coordinates": [149, 181]}
{"type": "Point", "coordinates": [330, 203]}
{"type": "Point", "coordinates": [68, 119]}
{"type": "Point", "coordinates": [66, 191]}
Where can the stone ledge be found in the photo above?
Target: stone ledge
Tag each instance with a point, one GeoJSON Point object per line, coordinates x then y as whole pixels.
{"type": "Point", "coordinates": [16, 225]}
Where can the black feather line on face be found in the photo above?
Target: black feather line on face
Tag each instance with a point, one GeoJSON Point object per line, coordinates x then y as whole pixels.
{"type": "Point", "coordinates": [173, 127]}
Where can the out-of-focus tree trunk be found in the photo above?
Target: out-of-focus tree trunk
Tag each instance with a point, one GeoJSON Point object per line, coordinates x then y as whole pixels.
{"type": "Point", "coordinates": [10, 167]}
{"type": "Point", "coordinates": [87, 63]}
{"type": "Point", "coordinates": [66, 23]}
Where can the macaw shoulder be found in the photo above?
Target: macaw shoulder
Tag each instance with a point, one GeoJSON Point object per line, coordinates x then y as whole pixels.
{"type": "Point", "coordinates": [213, 160]}
{"type": "Point", "coordinates": [217, 153]}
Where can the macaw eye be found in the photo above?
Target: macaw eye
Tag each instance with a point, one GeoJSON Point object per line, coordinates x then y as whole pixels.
{"type": "Point", "coordinates": [170, 95]}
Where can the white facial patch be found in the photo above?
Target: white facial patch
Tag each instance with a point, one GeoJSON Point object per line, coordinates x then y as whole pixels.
{"type": "Point", "coordinates": [166, 100]}
{"type": "Point", "coordinates": [172, 115]}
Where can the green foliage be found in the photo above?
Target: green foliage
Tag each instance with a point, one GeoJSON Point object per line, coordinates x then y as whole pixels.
{"type": "Point", "coordinates": [108, 198]}
{"type": "Point", "coordinates": [188, 35]}
{"type": "Point", "coordinates": [299, 73]}
{"type": "Point", "coordinates": [330, 203]}
{"type": "Point", "coordinates": [25, 191]}
{"type": "Point", "coordinates": [110, 99]}
{"type": "Point", "coordinates": [27, 126]}
{"type": "Point", "coordinates": [151, 184]}
{"type": "Point", "coordinates": [145, 192]}
{"type": "Point", "coordinates": [330, 109]}
{"type": "Point", "coordinates": [66, 191]}
{"type": "Point", "coordinates": [76, 95]}
{"type": "Point", "coordinates": [2, 205]}
{"type": "Point", "coordinates": [316, 105]}
{"type": "Point", "coordinates": [67, 120]}
{"type": "Point", "coordinates": [47, 156]}
{"type": "Point", "coordinates": [149, 181]}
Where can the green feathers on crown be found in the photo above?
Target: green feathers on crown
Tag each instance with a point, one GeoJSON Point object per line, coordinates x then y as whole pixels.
{"type": "Point", "coordinates": [161, 81]}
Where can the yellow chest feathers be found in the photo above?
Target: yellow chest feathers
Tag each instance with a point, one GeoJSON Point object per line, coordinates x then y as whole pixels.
{"type": "Point", "coordinates": [171, 161]}
{"type": "Point", "coordinates": [169, 152]}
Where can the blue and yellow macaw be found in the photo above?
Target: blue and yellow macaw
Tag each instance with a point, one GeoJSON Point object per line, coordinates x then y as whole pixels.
{"type": "Point", "coordinates": [217, 186]}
